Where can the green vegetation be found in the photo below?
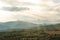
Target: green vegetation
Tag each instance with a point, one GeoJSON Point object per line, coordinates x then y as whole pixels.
{"type": "Point", "coordinates": [32, 34]}
{"type": "Point", "coordinates": [28, 34]}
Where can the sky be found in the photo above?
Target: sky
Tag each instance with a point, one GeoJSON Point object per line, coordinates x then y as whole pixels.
{"type": "Point", "coordinates": [8, 15]}
{"type": "Point", "coordinates": [57, 1]}
{"type": "Point", "coordinates": [38, 11]}
{"type": "Point", "coordinates": [31, 1]}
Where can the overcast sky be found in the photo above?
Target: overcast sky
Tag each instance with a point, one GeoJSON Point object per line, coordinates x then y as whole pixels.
{"type": "Point", "coordinates": [57, 1]}
{"type": "Point", "coordinates": [39, 11]}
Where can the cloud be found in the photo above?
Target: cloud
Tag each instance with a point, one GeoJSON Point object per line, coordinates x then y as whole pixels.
{"type": "Point", "coordinates": [51, 11]}
{"type": "Point", "coordinates": [56, 1]}
{"type": "Point", "coordinates": [45, 12]}
{"type": "Point", "coordinates": [15, 8]}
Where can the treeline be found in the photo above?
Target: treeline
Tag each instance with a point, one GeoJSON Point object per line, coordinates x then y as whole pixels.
{"type": "Point", "coordinates": [28, 35]}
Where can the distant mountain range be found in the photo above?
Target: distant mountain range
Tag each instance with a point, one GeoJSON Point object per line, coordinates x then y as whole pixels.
{"type": "Point", "coordinates": [16, 25]}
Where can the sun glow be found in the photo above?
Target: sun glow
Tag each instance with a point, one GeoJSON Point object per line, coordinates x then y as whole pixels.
{"type": "Point", "coordinates": [8, 16]}
{"type": "Point", "coordinates": [30, 1]}
{"type": "Point", "coordinates": [37, 12]}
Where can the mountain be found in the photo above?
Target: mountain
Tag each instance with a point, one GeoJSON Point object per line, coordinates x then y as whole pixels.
{"type": "Point", "coordinates": [16, 25]}
{"type": "Point", "coordinates": [50, 27]}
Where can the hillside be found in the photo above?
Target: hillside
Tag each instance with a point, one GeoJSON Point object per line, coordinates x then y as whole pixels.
{"type": "Point", "coordinates": [15, 25]}
{"type": "Point", "coordinates": [32, 34]}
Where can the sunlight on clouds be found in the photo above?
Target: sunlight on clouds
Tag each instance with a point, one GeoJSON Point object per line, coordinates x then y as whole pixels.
{"type": "Point", "coordinates": [6, 16]}
{"type": "Point", "coordinates": [30, 1]}
{"type": "Point", "coordinates": [2, 4]}
{"type": "Point", "coordinates": [41, 11]}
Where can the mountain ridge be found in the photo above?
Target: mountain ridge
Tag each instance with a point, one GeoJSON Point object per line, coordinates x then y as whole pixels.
{"type": "Point", "coordinates": [16, 25]}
